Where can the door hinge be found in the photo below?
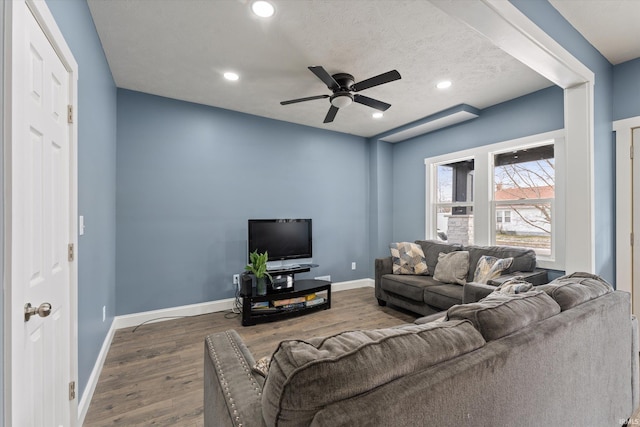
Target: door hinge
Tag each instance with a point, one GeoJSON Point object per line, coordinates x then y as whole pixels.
{"type": "Point", "coordinates": [631, 151]}
{"type": "Point", "coordinates": [69, 113]}
{"type": "Point", "coordinates": [70, 253]}
{"type": "Point", "coordinates": [72, 390]}
{"type": "Point", "coordinates": [632, 239]}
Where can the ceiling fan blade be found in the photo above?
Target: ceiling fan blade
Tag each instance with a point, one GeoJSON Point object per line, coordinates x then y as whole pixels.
{"type": "Point", "coordinates": [370, 102]}
{"type": "Point", "coordinates": [377, 80]}
{"type": "Point", "coordinates": [331, 114]}
{"type": "Point", "coordinates": [322, 74]}
{"type": "Point", "coordinates": [309, 98]}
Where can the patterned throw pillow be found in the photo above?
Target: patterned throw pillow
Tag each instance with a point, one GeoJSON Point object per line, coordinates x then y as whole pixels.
{"type": "Point", "coordinates": [408, 258]}
{"type": "Point", "coordinates": [261, 366]}
{"type": "Point", "coordinates": [490, 267]}
{"type": "Point", "coordinates": [452, 267]}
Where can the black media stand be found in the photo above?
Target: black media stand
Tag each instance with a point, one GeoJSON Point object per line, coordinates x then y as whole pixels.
{"type": "Point", "coordinates": [286, 298]}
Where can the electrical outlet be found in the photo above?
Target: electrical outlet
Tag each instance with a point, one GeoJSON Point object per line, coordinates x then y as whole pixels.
{"type": "Point", "coordinates": [104, 313]}
{"type": "Point", "coordinates": [236, 279]}
{"type": "Point", "coordinates": [353, 265]}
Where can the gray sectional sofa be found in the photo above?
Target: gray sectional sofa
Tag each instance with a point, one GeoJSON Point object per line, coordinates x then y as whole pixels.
{"type": "Point", "coordinates": [564, 354]}
{"type": "Point", "coordinates": [424, 295]}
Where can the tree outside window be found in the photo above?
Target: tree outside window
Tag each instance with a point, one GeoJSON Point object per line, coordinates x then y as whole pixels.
{"type": "Point", "coordinates": [524, 186]}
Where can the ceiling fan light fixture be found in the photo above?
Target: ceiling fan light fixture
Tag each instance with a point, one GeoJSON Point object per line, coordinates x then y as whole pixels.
{"type": "Point", "coordinates": [377, 115]}
{"type": "Point", "coordinates": [445, 84]}
{"type": "Point", "coordinates": [229, 75]}
{"type": "Point", "coordinates": [263, 9]}
{"type": "Point", "coordinates": [341, 99]}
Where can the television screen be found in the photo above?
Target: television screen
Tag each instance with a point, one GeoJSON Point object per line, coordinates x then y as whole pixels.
{"type": "Point", "coordinates": [281, 238]}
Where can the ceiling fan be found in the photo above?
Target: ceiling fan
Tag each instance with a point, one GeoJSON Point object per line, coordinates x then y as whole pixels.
{"type": "Point", "coordinates": [342, 85]}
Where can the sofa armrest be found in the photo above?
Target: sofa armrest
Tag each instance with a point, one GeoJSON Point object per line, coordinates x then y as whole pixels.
{"type": "Point", "coordinates": [435, 317]}
{"type": "Point", "coordinates": [536, 277]}
{"type": "Point", "coordinates": [232, 391]}
{"type": "Point", "coordinates": [474, 292]}
{"type": "Point", "coordinates": [382, 266]}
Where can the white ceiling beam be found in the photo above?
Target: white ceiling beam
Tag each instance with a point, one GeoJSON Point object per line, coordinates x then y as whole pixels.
{"type": "Point", "coordinates": [509, 29]}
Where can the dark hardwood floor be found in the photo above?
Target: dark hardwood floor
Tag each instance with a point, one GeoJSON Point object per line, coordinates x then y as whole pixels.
{"type": "Point", "coordinates": [153, 376]}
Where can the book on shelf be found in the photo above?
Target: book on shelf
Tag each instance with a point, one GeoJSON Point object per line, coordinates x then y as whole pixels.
{"type": "Point", "coordinates": [284, 302]}
{"type": "Point", "coordinates": [260, 304]}
{"type": "Point", "coordinates": [292, 306]}
{"type": "Point", "coordinates": [315, 301]}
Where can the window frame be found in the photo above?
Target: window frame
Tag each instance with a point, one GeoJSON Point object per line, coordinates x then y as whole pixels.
{"type": "Point", "coordinates": [551, 201]}
{"type": "Point", "coordinates": [469, 203]}
{"type": "Point", "coordinates": [484, 207]}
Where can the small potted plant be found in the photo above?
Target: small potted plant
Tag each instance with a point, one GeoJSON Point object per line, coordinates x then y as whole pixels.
{"type": "Point", "coordinates": [258, 266]}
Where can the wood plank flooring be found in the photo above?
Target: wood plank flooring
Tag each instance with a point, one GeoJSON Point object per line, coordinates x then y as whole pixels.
{"type": "Point", "coordinates": [154, 376]}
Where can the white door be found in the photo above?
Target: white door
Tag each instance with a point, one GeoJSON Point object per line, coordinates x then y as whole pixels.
{"type": "Point", "coordinates": [42, 359]}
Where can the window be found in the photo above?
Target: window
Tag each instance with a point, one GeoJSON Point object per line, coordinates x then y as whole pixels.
{"type": "Point", "coordinates": [524, 183]}
{"type": "Point", "coordinates": [503, 216]}
{"type": "Point", "coordinates": [454, 201]}
{"type": "Point", "coordinates": [501, 194]}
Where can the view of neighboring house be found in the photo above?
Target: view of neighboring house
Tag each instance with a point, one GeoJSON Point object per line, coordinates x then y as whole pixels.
{"type": "Point", "coordinates": [527, 223]}
{"type": "Point", "coordinates": [531, 219]}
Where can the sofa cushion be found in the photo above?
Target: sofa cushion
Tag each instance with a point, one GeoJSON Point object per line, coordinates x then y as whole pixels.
{"type": "Point", "coordinates": [452, 267]}
{"type": "Point", "coordinates": [411, 287]}
{"type": "Point", "coordinates": [408, 258]}
{"type": "Point", "coordinates": [500, 314]}
{"type": "Point", "coordinates": [443, 295]}
{"type": "Point", "coordinates": [433, 248]}
{"type": "Point", "coordinates": [574, 289]}
{"type": "Point", "coordinates": [489, 267]}
{"type": "Point", "coordinates": [305, 376]}
{"type": "Point", "coordinates": [523, 259]}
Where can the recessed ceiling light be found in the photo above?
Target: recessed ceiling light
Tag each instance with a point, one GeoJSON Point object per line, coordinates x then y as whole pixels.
{"type": "Point", "coordinates": [377, 115]}
{"type": "Point", "coordinates": [263, 9]}
{"type": "Point", "coordinates": [231, 76]}
{"type": "Point", "coordinates": [444, 84]}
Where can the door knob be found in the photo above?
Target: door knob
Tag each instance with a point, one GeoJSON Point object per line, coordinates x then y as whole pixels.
{"type": "Point", "coordinates": [43, 310]}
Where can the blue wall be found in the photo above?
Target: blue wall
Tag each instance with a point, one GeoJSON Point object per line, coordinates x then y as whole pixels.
{"type": "Point", "coordinates": [535, 113]}
{"type": "Point", "coordinates": [96, 180]}
{"type": "Point", "coordinates": [381, 194]}
{"type": "Point", "coordinates": [626, 90]}
{"type": "Point", "coordinates": [551, 21]}
{"type": "Point", "coordinates": [189, 177]}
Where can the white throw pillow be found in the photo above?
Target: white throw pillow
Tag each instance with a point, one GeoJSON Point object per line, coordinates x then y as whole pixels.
{"type": "Point", "coordinates": [452, 267]}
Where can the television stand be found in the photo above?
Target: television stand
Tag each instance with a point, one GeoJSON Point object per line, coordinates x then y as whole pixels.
{"type": "Point", "coordinates": [304, 297]}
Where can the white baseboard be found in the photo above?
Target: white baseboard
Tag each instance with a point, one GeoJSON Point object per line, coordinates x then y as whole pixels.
{"type": "Point", "coordinates": [135, 319]}
{"type": "Point", "coordinates": [87, 395]}
{"type": "Point", "coordinates": [352, 284]}
{"type": "Point", "coordinates": [153, 316]}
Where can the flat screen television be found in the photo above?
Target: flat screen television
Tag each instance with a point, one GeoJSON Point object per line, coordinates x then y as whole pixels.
{"type": "Point", "coordinates": [281, 238]}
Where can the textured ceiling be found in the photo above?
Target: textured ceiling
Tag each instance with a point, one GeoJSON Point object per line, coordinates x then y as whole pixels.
{"type": "Point", "coordinates": [180, 48]}
{"type": "Point", "coordinates": [611, 26]}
